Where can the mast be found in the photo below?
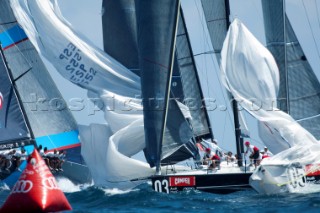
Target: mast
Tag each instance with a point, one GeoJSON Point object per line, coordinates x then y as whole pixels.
{"type": "Point", "coordinates": [239, 139]}
{"type": "Point", "coordinates": [285, 56]}
{"type": "Point", "coordinates": [18, 96]}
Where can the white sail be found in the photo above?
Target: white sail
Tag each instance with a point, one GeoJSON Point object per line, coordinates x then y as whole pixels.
{"type": "Point", "coordinates": [73, 56]}
{"type": "Point", "coordinates": [250, 73]}
{"type": "Point", "coordinates": [107, 79]}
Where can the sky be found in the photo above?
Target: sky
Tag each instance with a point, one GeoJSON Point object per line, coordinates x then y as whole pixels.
{"type": "Point", "coordinates": [85, 17]}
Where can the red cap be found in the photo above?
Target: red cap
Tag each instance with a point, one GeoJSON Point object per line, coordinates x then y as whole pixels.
{"type": "Point", "coordinates": [208, 150]}
{"type": "Point", "coordinates": [247, 143]}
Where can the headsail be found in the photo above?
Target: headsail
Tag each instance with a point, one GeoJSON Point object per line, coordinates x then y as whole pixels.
{"type": "Point", "coordinates": [14, 131]}
{"type": "Point", "coordinates": [50, 119]}
{"type": "Point", "coordinates": [299, 93]}
{"type": "Point", "coordinates": [186, 72]}
{"type": "Point", "coordinates": [250, 73]}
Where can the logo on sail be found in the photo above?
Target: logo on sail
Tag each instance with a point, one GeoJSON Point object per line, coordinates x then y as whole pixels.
{"type": "Point", "coordinates": [1, 100]}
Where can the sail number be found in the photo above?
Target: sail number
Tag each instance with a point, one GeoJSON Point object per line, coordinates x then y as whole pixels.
{"type": "Point", "coordinates": [161, 186]}
{"type": "Point", "coordinates": [79, 72]}
{"type": "Point", "coordinates": [296, 177]}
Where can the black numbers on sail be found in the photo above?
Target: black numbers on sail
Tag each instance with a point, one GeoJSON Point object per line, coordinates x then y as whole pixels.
{"type": "Point", "coordinates": [78, 71]}
{"type": "Point", "coordinates": [296, 177]}
{"type": "Point", "coordinates": [161, 186]}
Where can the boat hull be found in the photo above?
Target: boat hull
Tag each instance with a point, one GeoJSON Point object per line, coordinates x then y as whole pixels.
{"type": "Point", "coordinates": [294, 178]}
{"type": "Point", "coordinates": [213, 183]}
{"type": "Point", "coordinates": [77, 173]}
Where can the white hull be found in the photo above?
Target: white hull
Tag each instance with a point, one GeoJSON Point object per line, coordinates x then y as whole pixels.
{"type": "Point", "coordinates": [294, 178]}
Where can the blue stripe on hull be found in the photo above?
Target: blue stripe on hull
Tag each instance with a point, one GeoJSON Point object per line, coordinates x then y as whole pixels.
{"type": "Point", "coordinates": [12, 36]}
{"type": "Point", "coordinates": [65, 139]}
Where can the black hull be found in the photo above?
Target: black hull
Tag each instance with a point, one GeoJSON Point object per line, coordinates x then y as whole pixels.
{"type": "Point", "coordinates": [213, 183]}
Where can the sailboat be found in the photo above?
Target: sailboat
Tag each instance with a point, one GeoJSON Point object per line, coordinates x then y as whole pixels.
{"type": "Point", "coordinates": [117, 17]}
{"type": "Point", "coordinates": [295, 167]}
{"type": "Point", "coordinates": [33, 112]}
{"type": "Point", "coordinates": [168, 137]}
{"type": "Point", "coordinates": [298, 95]}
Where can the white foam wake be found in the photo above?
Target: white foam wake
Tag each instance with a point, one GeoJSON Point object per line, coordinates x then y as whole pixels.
{"type": "Point", "coordinates": [116, 191]}
{"type": "Point", "coordinates": [68, 186]}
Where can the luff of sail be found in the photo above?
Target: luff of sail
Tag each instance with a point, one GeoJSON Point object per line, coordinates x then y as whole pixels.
{"type": "Point", "coordinates": [51, 122]}
{"type": "Point", "coordinates": [302, 101]}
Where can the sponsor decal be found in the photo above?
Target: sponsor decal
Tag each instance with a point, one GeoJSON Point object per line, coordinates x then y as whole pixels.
{"type": "Point", "coordinates": [182, 181]}
{"type": "Point", "coordinates": [1, 100]}
{"type": "Point", "coordinates": [22, 186]}
{"type": "Point", "coordinates": [50, 183]}
{"type": "Point", "coordinates": [312, 170]}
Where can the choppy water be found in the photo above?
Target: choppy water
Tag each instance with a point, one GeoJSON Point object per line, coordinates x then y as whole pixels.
{"type": "Point", "coordinates": [88, 199]}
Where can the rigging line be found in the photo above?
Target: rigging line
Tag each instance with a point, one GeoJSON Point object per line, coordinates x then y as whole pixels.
{"type": "Point", "coordinates": [215, 69]}
{"type": "Point", "coordinates": [202, 19]}
{"type": "Point", "coordinates": [256, 10]}
{"type": "Point", "coordinates": [317, 12]}
{"type": "Point", "coordinates": [224, 127]}
{"type": "Point", "coordinates": [312, 33]}
{"type": "Point", "coordinates": [10, 22]}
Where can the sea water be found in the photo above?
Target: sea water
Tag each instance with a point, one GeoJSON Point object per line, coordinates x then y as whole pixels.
{"type": "Point", "coordinates": [87, 198]}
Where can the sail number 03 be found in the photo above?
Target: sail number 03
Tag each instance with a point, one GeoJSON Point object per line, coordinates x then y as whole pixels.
{"type": "Point", "coordinates": [161, 186]}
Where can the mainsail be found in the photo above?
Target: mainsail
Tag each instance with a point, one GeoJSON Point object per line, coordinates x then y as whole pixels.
{"type": "Point", "coordinates": [119, 24]}
{"type": "Point", "coordinates": [51, 122]}
{"type": "Point", "coordinates": [302, 101]}
{"type": "Point", "coordinates": [14, 129]}
{"type": "Point", "coordinates": [122, 16]}
{"type": "Point", "coordinates": [157, 23]}
{"type": "Point", "coordinates": [120, 38]}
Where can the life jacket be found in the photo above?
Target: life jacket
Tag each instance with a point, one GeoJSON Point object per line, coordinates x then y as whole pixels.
{"type": "Point", "coordinates": [265, 155]}
{"type": "Point", "coordinates": [215, 157]}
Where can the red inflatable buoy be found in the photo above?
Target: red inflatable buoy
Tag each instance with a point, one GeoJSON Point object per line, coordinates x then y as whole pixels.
{"type": "Point", "coordinates": [36, 190]}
